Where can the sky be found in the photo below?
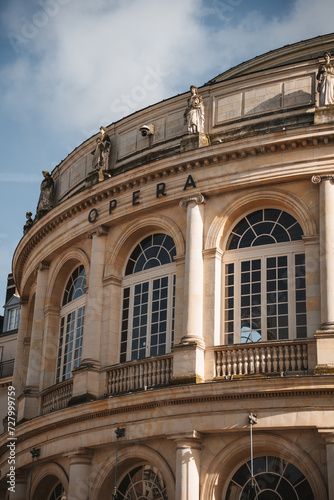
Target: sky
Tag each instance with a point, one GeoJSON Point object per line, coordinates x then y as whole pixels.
{"type": "Point", "coordinates": [69, 66]}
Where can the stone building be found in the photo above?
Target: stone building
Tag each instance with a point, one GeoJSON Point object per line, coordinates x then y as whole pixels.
{"type": "Point", "coordinates": [176, 338]}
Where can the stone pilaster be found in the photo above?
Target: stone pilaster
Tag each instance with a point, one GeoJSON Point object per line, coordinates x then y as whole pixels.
{"type": "Point", "coordinates": [188, 455]}
{"type": "Point", "coordinates": [79, 480]}
{"type": "Point", "coordinates": [328, 436]}
{"type": "Point", "coordinates": [20, 371]}
{"type": "Point", "coordinates": [188, 364]}
{"type": "Point", "coordinates": [86, 377]}
{"type": "Point", "coordinates": [325, 336]}
{"type": "Point", "coordinates": [28, 401]}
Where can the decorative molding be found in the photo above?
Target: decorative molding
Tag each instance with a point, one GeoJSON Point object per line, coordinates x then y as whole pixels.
{"type": "Point", "coordinates": [316, 179]}
{"type": "Point", "coordinates": [197, 198]}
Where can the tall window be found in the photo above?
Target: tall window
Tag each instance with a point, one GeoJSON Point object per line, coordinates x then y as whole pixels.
{"type": "Point", "coordinates": [264, 287]}
{"type": "Point", "coordinates": [71, 325]}
{"type": "Point", "coordinates": [149, 299]}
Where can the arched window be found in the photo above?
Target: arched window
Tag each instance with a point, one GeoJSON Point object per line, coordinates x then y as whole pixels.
{"type": "Point", "coordinates": [58, 493]}
{"type": "Point", "coordinates": [71, 325]}
{"type": "Point", "coordinates": [264, 287]}
{"type": "Point", "coordinates": [144, 482]}
{"type": "Point", "coordinates": [149, 299]}
{"type": "Point", "coordinates": [274, 479]}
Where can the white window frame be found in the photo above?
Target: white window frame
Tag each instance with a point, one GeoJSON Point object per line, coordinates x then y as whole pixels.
{"type": "Point", "coordinates": [130, 281]}
{"type": "Point", "coordinates": [13, 318]}
{"type": "Point", "coordinates": [65, 311]}
{"type": "Point", "coordinates": [260, 252]}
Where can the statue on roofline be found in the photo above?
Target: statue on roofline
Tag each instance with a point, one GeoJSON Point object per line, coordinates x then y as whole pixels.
{"type": "Point", "coordinates": [325, 77]}
{"type": "Point", "coordinates": [46, 197]}
{"type": "Point", "coordinates": [194, 114]}
{"type": "Point", "coordinates": [101, 152]}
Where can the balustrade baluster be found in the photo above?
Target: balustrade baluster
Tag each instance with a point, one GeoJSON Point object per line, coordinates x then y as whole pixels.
{"type": "Point", "coordinates": [269, 367]}
{"type": "Point", "coordinates": [275, 365]}
{"type": "Point", "coordinates": [286, 358]}
{"type": "Point", "coordinates": [263, 359]}
{"type": "Point", "coordinates": [293, 357]}
{"type": "Point", "coordinates": [229, 364]}
{"type": "Point", "coordinates": [299, 357]}
{"type": "Point", "coordinates": [257, 360]}
{"type": "Point", "coordinates": [280, 359]}
{"type": "Point", "coordinates": [305, 359]}
{"type": "Point", "coordinates": [240, 367]}
{"type": "Point", "coordinates": [224, 362]}
{"type": "Point", "coordinates": [245, 357]}
{"type": "Point", "coordinates": [251, 361]}
{"type": "Point", "coordinates": [218, 364]}
{"type": "Point", "coordinates": [234, 361]}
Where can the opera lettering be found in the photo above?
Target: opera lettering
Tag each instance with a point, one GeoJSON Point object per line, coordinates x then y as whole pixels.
{"type": "Point", "coordinates": [160, 191]}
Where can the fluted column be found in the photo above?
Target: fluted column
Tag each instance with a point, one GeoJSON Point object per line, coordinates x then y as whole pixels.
{"type": "Point", "coordinates": [188, 454]}
{"type": "Point", "coordinates": [325, 336]}
{"type": "Point", "coordinates": [193, 280]}
{"type": "Point", "coordinates": [79, 480]}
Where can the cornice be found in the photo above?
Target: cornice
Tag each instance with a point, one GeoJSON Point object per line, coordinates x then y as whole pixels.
{"type": "Point", "coordinates": [216, 154]}
{"type": "Point", "coordinates": [41, 425]}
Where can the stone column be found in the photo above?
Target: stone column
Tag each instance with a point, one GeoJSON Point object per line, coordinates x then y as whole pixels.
{"type": "Point", "coordinates": [79, 480]}
{"type": "Point", "coordinates": [28, 402]}
{"type": "Point", "coordinates": [328, 436]}
{"type": "Point", "coordinates": [325, 336]}
{"type": "Point", "coordinates": [86, 377]}
{"type": "Point", "coordinates": [193, 280]}
{"type": "Point", "coordinates": [188, 364]}
{"type": "Point", "coordinates": [188, 454]}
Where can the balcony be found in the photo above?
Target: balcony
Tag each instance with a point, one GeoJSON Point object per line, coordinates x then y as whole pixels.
{"type": "Point", "coordinates": [57, 397]}
{"type": "Point", "coordinates": [264, 358]}
{"type": "Point", "coordinates": [140, 374]}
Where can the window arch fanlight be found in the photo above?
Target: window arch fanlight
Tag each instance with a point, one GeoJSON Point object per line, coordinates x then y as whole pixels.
{"type": "Point", "coordinates": [72, 316]}
{"type": "Point", "coordinates": [149, 299]}
{"type": "Point", "coordinates": [274, 479]}
{"type": "Point", "coordinates": [144, 482]}
{"type": "Point", "coordinates": [58, 493]}
{"type": "Point", "coordinates": [264, 287]}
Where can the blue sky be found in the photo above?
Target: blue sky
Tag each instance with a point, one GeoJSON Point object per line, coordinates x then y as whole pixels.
{"type": "Point", "coordinates": [69, 66]}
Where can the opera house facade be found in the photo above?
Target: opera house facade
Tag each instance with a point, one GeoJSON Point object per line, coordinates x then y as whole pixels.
{"type": "Point", "coordinates": [176, 336]}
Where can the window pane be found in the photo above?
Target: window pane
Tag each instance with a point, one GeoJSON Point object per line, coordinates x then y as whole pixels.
{"type": "Point", "coordinates": [153, 251]}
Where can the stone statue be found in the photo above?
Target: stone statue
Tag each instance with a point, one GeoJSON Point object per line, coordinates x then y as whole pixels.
{"type": "Point", "coordinates": [325, 77]}
{"type": "Point", "coordinates": [101, 152]}
{"type": "Point", "coordinates": [29, 223]}
{"type": "Point", "coordinates": [46, 197]}
{"type": "Point", "coordinates": [194, 114]}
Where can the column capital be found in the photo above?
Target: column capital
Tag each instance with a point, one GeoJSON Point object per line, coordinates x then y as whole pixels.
{"type": "Point", "coordinates": [98, 231]}
{"type": "Point", "coordinates": [191, 439]}
{"type": "Point", "coordinates": [42, 266]}
{"type": "Point", "coordinates": [316, 179]}
{"type": "Point", "coordinates": [197, 199]}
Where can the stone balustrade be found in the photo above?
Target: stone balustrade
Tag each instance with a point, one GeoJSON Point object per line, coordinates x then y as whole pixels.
{"type": "Point", "coordinates": [141, 374]}
{"type": "Point", "coordinates": [265, 358]}
{"type": "Point", "coordinates": [57, 397]}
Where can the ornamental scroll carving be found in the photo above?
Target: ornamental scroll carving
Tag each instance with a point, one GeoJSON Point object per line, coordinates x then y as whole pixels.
{"type": "Point", "coordinates": [198, 199]}
{"type": "Point", "coordinates": [316, 179]}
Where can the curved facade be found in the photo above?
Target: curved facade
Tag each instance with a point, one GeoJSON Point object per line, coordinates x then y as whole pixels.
{"type": "Point", "coordinates": [176, 336]}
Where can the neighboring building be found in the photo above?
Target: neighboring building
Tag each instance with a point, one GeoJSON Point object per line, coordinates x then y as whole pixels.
{"type": "Point", "coordinates": [177, 296]}
{"type": "Point", "coordinates": [8, 339]}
